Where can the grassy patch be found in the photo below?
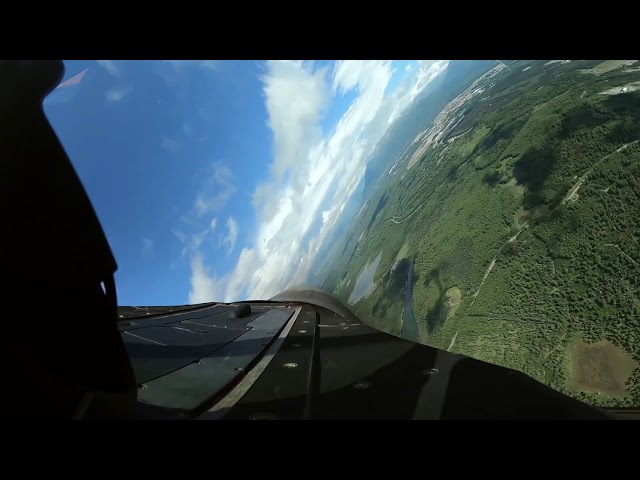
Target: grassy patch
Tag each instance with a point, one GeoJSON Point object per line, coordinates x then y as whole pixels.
{"type": "Point", "coordinates": [600, 367]}
{"type": "Point", "coordinates": [604, 67]}
{"type": "Point", "coordinates": [402, 253]}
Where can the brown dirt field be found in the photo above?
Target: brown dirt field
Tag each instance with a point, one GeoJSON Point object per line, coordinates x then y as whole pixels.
{"type": "Point", "coordinates": [600, 367]}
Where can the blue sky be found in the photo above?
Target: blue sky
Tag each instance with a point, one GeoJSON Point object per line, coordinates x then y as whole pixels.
{"type": "Point", "coordinates": [219, 180]}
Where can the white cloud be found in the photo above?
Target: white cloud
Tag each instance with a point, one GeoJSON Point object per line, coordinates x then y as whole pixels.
{"type": "Point", "coordinates": [349, 74]}
{"type": "Point", "coordinates": [311, 176]}
{"type": "Point", "coordinates": [295, 96]}
{"type": "Point", "coordinates": [204, 288]}
{"type": "Point", "coordinates": [232, 234]}
{"type": "Point", "coordinates": [187, 242]}
{"type": "Point", "coordinates": [148, 248]}
{"type": "Point", "coordinates": [408, 67]}
{"type": "Point", "coordinates": [111, 67]}
{"type": "Point", "coordinates": [117, 94]}
{"type": "Point", "coordinates": [427, 71]}
{"type": "Point", "coordinates": [217, 191]}
{"type": "Point", "coordinates": [191, 243]}
{"type": "Point", "coordinates": [169, 144]}
{"type": "Point", "coordinates": [192, 230]}
{"type": "Point", "coordinates": [326, 215]}
{"type": "Point", "coordinates": [196, 240]}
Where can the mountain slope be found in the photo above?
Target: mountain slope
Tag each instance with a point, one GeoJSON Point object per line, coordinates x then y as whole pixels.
{"type": "Point", "coordinates": [457, 77]}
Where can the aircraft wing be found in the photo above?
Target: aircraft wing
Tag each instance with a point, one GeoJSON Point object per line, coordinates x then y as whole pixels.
{"type": "Point", "coordinates": [295, 359]}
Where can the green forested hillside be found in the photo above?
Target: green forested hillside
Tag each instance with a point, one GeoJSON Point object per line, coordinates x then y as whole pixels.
{"type": "Point", "coordinates": [523, 227]}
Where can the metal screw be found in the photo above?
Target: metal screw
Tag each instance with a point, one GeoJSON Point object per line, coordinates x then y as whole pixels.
{"type": "Point", "coordinates": [345, 328]}
{"type": "Point", "coordinates": [431, 371]}
{"type": "Point", "coordinates": [305, 321]}
{"type": "Point", "coordinates": [302, 331]}
{"type": "Point", "coordinates": [361, 385]}
{"type": "Point", "coordinates": [143, 386]}
{"type": "Point", "coordinates": [342, 324]}
{"type": "Point", "coordinates": [240, 369]}
{"type": "Point", "coordinates": [296, 345]}
{"type": "Point", "coordinates": [290, 365]}
{"type": "Point", "coordinates": [198, 362]}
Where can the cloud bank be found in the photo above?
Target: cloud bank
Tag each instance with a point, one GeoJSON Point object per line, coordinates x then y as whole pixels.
{"type": "Point", "coordinates": [311, 176]}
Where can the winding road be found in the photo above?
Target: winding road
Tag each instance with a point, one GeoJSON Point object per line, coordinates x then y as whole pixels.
{"type": "Point", "coordinates": [399, 221]}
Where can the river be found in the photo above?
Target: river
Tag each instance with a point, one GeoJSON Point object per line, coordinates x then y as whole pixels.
{"type": "Point", "coordinates": [409, 327]}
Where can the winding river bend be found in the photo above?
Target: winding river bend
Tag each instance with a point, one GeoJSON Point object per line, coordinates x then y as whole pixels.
{"type": "Point", "coordinates": [409, 327]}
